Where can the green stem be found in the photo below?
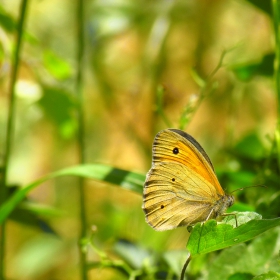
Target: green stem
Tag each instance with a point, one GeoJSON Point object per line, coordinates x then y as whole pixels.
{"type": "Point", "coordinates": [276, 11]}
{"type": "Point", "coordinates": [81, 134]}
{"type": "Point", "coordinates": [9, 129]}
{"type": "Point", "coordinates": [276, 19]}
{"type": "Point", "coordinates": [206, 89]}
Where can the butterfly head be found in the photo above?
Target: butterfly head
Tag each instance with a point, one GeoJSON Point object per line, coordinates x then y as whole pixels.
{"type": "Point", "coordinates": [222, 205]}
{"type": "Point", "coordinates": [230, 200]}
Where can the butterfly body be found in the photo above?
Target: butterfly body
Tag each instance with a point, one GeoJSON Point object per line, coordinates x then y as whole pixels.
{"type": "Point", "coordinates": [181, 188]}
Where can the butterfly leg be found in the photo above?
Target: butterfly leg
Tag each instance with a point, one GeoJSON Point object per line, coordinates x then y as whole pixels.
{"type": "Point", "coordinates": [209, 215]}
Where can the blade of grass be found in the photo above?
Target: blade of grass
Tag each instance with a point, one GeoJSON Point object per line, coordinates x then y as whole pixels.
{"type": "Point", "coordinates": [125, 179]}
{"type": "Point", "coordinates": [10, 127]}
{"type": "Point", "coordinates": [160, 106]}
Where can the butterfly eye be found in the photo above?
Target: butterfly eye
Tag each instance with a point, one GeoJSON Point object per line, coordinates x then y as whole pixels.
{"type": "Point", "coordinates": [175, 151]}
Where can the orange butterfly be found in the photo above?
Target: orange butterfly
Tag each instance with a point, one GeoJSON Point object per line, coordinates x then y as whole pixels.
{"type": "Point", "coordinates": [181, 188]}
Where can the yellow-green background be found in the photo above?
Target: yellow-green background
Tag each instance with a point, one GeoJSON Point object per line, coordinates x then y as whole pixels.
{"type": "Point", "coordinates": [132, 48]}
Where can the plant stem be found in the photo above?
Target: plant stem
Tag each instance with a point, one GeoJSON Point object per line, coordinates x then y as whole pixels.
{"type": "Point", "coordinates": [182, 277]}
{"type": "Point", "coordinates": [276, 19]}
{"type": "Point", "coordinates": [206, 89]}
{"type": "Point", "coordinates": [9, 129]}
{"type": "Point", "coordinates": [81, 134]}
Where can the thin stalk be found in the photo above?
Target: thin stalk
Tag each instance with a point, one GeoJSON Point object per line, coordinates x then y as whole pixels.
{"type": "Point", "coordinates": [206, 89]}
{"type": "Point", "coordinates": [10, 128]}
{"type": "Point", "coordinates": [182, 277]}
{"type": "Point", "coordinates": [276, 20]}
{"type": "Point", "coordinates": [81, 134]}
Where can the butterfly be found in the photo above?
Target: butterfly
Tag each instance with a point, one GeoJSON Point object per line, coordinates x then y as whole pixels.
{"type": "Point", "coordinates": [181, 188]}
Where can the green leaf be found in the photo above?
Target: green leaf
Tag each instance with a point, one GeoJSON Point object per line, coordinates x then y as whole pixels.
{"type": "Point", "coordinates": [57, 66]}
{"type": "Point", "coordinates": [131, 253]}
{"type": "Point", "coordinates": [241, 276]}
{"type": "Point", "coordinates": [125, 179]}
{"type": "Point", "coordinates": [211, 236]}
{"type": "Point", "coordinates": [40, 210]}
{"type": "Point", "coordinates": [250, 147]}
{"type": "Point", "coordinates": [256, 257]}
{"type": "Point", "coordinates": [271, 275]}
{"type": "Point", "coordinates": [59, 106]}
{"type": "Point", "coordinates": [265, 6]}
{"type": "Point", "coordinates": [6, 21]}
{"type": "Point", "coordinates": [247, 71]}
{"type": "Point", "coordinates": [270, 207]}
{"type": "Point", "coordinates": [33, 214]}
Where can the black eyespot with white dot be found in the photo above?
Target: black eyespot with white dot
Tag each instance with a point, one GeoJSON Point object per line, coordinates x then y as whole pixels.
{"type": "Point", "coordinates": [175, 151]}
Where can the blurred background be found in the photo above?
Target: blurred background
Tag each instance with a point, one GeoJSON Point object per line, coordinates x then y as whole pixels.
{"type": "Point", "coordinates": [148, 65]}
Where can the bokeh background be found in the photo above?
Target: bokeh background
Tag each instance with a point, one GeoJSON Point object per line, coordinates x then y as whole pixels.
{"type": "Point", "coordinates": [148, 65]}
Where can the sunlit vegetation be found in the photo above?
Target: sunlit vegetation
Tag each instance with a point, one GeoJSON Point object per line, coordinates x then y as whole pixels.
{"type": "Point", "coordinates": [93, 85]}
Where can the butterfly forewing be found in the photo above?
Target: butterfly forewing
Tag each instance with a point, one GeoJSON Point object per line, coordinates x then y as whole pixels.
{"type": "Point", "coordinates": [170, 146]}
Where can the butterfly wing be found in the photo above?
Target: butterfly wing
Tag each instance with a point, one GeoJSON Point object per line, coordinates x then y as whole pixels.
{"type": "Point", "coordinates": [174, 196]}
{"type": "Point", "coordinates": [173, 145]}
{"type": "Point", "coordinates": [181, 188]}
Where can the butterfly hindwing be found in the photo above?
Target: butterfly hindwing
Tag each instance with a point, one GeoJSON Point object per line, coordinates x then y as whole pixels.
{"type": "Point", "coordinates": [174, 196]}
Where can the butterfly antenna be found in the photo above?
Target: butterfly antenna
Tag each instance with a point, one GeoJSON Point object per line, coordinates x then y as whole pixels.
{"type": "Point", "coordinates": [254, 186]}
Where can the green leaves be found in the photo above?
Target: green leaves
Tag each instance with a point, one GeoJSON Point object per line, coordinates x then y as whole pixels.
{"type": "Point", "coordinates": [247, 71]}
{"type": "Point", "coordinates": [127, 180]}
{"type": "Point", "coordinates": [250, 147]}
{"type": "Point", "coordinates": [205, 238]}
{"type": "Point", "coordinates": [271, 275]}
{"type": "Point", "coordinates": [255, 258]}
{"type": "Point", "coordinates": [211, 236]}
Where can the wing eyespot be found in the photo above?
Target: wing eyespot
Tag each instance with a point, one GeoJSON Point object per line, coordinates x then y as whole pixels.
{"type": "Point", "coordinates": [161, 206]}
{"type": "Point", "coordinates": [173, 179]}
{"type": "Point", "coordinates": [175, 151]}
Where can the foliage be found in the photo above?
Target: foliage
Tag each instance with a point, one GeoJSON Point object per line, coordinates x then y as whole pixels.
{"type": "Point", "coordinates": [144, 66]}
